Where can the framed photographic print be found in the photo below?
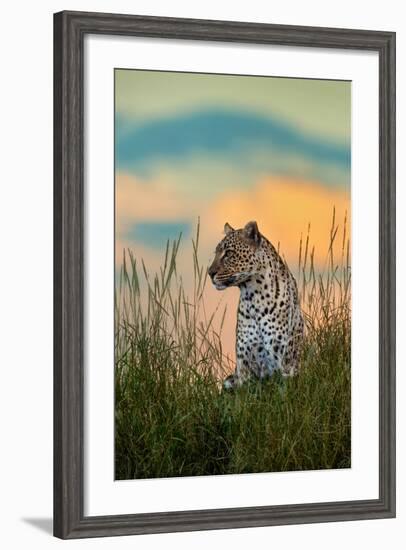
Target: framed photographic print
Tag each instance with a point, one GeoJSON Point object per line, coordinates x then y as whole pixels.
{"type": "Point", "coordinates": [224, 275]}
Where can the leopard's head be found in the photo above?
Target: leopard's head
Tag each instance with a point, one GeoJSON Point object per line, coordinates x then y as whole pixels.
{"type": "Point", "coordinates": [237, 257]}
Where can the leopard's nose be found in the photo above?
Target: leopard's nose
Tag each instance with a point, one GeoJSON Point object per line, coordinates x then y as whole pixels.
{"type": "Point", "coordinates": [212, 271]}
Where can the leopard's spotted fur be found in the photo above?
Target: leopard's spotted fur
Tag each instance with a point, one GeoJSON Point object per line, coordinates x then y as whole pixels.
{"type": "Point", "coordinates": [269, 320]}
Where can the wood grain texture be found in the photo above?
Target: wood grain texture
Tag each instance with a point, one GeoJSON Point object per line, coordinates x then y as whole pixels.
{"type": "Point", "coordinates": [69, 31]}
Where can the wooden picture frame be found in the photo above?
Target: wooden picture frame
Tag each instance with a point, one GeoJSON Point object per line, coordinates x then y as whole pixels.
{"type": "Point", "coordinates": [69, 31]}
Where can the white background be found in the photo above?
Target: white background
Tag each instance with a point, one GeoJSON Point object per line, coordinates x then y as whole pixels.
{"type": "Point", "coordinates": [26, 271]}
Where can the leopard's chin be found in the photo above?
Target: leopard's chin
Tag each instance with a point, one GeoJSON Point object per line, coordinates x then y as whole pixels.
{"type": "Point", "coordinates": [219, 286]}
{"type": "Point", "coordinates": [222, 285]}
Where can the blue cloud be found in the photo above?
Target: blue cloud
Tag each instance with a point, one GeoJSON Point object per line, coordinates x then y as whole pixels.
{"type": "Point", "coordinates": [156, 234]}
{"type": "Point", "coordinates": [220, 133]}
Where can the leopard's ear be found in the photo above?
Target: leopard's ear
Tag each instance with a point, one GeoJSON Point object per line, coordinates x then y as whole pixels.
{"type": "Point", "coordinates": [251, 232]}
{"type": "Point", "coordinates": [228, 229]}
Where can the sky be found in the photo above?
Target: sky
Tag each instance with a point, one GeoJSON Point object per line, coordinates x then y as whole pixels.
{"type": "Point", "coordinates": [222, 148]}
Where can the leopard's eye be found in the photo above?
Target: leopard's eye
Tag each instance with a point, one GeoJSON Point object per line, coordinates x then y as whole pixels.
{"type": "Point", "coordinates": [227, 254]}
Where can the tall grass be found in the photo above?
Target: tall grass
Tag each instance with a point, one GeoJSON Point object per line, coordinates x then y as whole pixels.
{"type": "Point", "coordinates": [171, 416]}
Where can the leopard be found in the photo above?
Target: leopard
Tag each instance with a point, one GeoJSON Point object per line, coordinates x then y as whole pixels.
{"type": "Point", "coordinates": [270, 322]}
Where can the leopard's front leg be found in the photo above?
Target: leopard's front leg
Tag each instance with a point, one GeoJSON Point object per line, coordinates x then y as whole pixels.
{"type": "Point", "coordinates": [247, 365]}
{"type": "Point", "coordinates": [237, 379]}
